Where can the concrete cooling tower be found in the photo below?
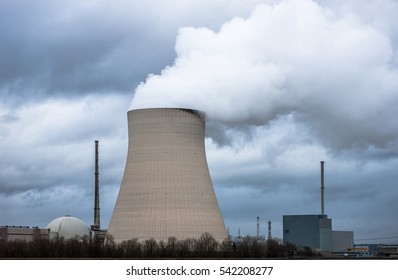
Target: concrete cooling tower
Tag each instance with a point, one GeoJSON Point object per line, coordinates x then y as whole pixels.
{"type": "Point", "coordinates": [166, 188]}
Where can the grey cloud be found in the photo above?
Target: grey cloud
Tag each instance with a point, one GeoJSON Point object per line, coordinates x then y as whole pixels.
{"type": "Point", "coordinates": [74, 47]}
{"type": "Point", "coordinates": [51, 143]}
{"type": "Point", "coordinates": [67, 48]}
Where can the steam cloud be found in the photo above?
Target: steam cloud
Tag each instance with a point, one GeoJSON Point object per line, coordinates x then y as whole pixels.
{"type": "Point", "coordinates": [333, 72]}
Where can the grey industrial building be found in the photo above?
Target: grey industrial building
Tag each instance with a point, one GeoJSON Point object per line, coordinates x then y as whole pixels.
{"type": "Point", "coordinates": [315, 231]}
{"type": "Point", "coordinates": [166, 189]}
{"type": "Point", "coordinates": [342, 240]}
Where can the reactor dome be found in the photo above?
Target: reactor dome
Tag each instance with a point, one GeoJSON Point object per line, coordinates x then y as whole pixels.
{"type": "Point", "coordinates": [68, 227]}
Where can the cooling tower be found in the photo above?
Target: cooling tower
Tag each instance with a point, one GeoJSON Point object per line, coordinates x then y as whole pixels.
{"type": "Point", "coordinates": [166, 188]}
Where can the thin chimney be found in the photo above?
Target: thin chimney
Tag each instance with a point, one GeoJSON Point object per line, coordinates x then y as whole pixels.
{"type": "Point", "coordinates": [258, 227]}
{"type": "Point", "coordinates": [322, 189]}
{"type": "Point", "coordinates": [269, 230]}
{"type": "Point", "coordinates": [97, 224]}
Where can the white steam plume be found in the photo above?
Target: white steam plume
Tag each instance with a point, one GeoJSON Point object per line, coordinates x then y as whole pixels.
{"type": "Point", "coordinates": [331, 71]}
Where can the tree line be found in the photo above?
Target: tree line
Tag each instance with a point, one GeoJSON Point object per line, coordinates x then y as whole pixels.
{"type": "Point", "coordinates": [203, 247]}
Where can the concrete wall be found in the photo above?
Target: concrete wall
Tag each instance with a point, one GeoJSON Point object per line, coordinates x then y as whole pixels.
{"type": "Point", "coordinates": [166, 189]}
{"type": "Point", "coordinates": [342, 240]}
{"type": "Point", "coordinates": [312, 231]}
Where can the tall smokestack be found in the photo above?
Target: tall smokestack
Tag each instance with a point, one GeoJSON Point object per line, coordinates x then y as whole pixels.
{"type": "Point", "coordinates": [97, 224]}
{"type": "Point", "coordinates": [258, 227]}
{"type": "Point", "coordinates": [269, 230]}
{"type": "Point", "coordinates": [322, 189]}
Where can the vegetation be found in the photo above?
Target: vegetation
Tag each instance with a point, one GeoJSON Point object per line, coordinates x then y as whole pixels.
{"type": "Point", "coordinates": [204, 247]}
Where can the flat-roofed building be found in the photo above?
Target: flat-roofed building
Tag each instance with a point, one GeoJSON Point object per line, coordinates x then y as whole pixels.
{"type": "Point", "coordinates": [12, 233]}
{"type": "Point", "coordinates": [342, 240]}
{"type": "Point", "coordinates": [313, 231]}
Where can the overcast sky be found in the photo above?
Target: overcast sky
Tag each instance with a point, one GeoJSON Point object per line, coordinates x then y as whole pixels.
{"type": "Point", "coordinates": [284, 84]}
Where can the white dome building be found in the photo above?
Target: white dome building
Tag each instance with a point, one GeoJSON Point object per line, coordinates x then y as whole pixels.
{"type": "Point", "coordinates": [68, 227]}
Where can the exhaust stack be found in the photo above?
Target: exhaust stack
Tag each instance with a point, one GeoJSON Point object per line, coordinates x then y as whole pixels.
{"type": "Point", "coordinates": [258, 227]}
{"type": "Point", "coordinates": [269, 230]}
{"type": "Point", "coordinates": [322, 189]}
{"type": "Point", "coordinates": [97, 224]}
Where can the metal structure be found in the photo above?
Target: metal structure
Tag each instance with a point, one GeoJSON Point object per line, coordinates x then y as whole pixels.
{"type": "Point", "coordinates": [269, 230]}
{"type": "Point", "coordinates": [97, 224]}
{"type": "Point", "coordinates": [166, 189]}
{"type": "Point", "coordinates": [258, 227]}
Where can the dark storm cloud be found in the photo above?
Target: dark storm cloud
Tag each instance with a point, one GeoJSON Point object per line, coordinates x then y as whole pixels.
{"type": "Point", "coordinates": [77, 47]}
{"type": "Point", "coordinates": [47, 151]}
{"type": "Point", "coordinates": [74, 47]}
{"type": "Point", "coordinates": [48, 143]}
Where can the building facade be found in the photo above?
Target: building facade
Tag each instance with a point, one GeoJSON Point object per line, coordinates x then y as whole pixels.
{"type": "Point", "coordinates": [313, 231]}
{"type": "Point", "coordinates": [12, 233]}
{"type": "Point", "coordinates": [342, 240]}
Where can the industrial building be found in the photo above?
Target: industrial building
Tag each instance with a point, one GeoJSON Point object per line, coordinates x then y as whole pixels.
{"type": "Point", "coordinates": [342, 240]}
{"type": "Point", "coordinates": [12, 233]}
{"type": "Point", "coordinates": [315, 231]}
{"type": "Point", "coordinates": [166, 189]}
{"type": "Point", "coordinates": [390, 250]}
{"type": "Point", "coordinates": [68, 227]}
